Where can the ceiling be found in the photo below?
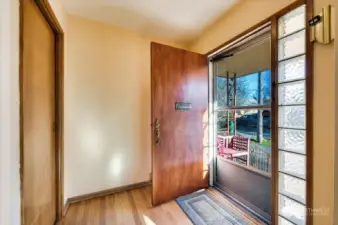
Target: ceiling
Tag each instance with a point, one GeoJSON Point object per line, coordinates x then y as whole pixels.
{"type": "Point", "coordinates": [246, 61]}
{"type": "Point", "coordinates": [175, 20]}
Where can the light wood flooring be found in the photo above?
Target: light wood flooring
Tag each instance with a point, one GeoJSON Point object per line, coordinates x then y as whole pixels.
{"type": "Point", "coordinates": [133, 208]}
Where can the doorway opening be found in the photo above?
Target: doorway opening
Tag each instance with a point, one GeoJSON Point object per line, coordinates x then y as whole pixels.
{"type": "Point", "coordinates": [241, 86]}
{"type": "Point", "coordinates": [261, 136]}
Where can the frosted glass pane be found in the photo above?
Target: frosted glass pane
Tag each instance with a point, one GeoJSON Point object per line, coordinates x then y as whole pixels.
{"type": "Point", "coordinates": [291, 93]}
{"type": "Point", "coordinates": [293, 164]}
{"type": "Point", "coordinates": [292, 22]}
{"type": "Point", "coordinates": [282, 221]}
{"type": "Point", "coordinates": [291, 46]}
{"type": "Point", "coordinates": [292, 140]}
{"type": "Point", "coordinates": [292, 69]}
{"type": "Point", "coordinates": [292, 187]}
{"type": "Point", "coordinates": [292, 117]}
{"type": "Point", "coordinates": [292, 210]}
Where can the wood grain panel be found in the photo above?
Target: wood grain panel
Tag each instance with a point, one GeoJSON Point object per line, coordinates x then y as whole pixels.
{"type": "Point", "coordinates": [38, 115]}
{"type": "Point", "coordinates": [49, 15]}
{"type": "Point", "coordinates": [180, 158]}
{"type": "Point", "coordinates": [274, 124]}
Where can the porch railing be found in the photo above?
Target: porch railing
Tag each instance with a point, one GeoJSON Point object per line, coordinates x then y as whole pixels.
{"type": "Point", "coordinates": [260, 158]}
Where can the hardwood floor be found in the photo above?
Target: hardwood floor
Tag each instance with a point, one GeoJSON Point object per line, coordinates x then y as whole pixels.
{"type": "Point", "coordinates": [133, 208]}
{"type": "Point", "coordinates": [125, 208]}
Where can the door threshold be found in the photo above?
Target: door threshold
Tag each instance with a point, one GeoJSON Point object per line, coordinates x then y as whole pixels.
{"type": "Point", "coordinates": [243, 207]}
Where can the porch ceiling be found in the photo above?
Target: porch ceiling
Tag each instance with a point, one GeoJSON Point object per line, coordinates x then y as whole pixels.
{"type": "Point", "coordinates": [251, 60]}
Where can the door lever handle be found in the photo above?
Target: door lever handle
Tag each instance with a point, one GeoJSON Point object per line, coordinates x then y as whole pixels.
{"type": "Point", "coordinates": [157, 131]}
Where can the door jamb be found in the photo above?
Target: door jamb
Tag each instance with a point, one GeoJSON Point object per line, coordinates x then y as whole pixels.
{"type": "Point", "coordinates": [53, 22]}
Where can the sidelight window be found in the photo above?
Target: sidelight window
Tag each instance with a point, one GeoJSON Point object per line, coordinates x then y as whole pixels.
{"type": "Point", "coordinates": [292, 117]}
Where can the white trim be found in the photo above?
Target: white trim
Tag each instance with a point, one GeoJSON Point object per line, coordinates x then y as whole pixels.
{"type": "Point", "coordinates": [212, 128]}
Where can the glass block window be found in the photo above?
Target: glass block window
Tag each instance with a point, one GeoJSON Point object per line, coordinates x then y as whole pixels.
{"type": "Point", "coordinates": [292, 117]}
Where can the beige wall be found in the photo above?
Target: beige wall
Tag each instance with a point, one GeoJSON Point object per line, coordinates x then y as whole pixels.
{"type": "Point", "coordinates": [238, 19]}
{"type": "Point", "coordinates": [243, 16]}
{"type": "Point", "coordinates": [60, 13]}
{"type": "Point", "coordinates": [107, 107]}
{"type": "Point", "coordinates": [324, 120]}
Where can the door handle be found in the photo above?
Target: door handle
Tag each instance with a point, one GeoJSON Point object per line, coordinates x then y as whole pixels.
{"type": "Point", "coordinates": [157, 131]}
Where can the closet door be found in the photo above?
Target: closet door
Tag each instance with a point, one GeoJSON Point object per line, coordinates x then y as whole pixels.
{"type": "Point", "coordinates": [38, 116]}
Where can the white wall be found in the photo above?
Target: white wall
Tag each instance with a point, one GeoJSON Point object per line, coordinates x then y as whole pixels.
{"type": "Point", "coordinates": [9, 113]}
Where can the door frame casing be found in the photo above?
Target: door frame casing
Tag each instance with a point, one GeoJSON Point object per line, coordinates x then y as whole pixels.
{"type": "Point", "coordinates": [250, 38]}
{"type": "Point", "coordinates": [273, 21]}
{"type": "Point", "coordinates": [49, 15]}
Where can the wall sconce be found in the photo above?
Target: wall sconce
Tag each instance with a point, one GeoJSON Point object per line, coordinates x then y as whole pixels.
{"type": "Point", "coordinates": [322, 26]}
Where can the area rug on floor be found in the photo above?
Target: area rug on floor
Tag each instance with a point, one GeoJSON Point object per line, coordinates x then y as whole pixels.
{"type": "Point", "coordinates": [203, 209]}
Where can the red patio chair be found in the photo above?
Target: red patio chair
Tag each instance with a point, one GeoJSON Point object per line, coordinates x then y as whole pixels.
{"type": "Point", "coordinates": [233, 147]}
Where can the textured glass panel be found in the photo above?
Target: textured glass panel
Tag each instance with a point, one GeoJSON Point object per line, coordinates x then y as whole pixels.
{"type": "Point", "coordinates": [292, 210]}
{"type": "Point", "coordinates": [291, 93]}
{"type": "Point", "coordinates": [292, 69]}
{"type": "Point", "coordinates": [292, 140]}
{"type": "Point", "coordinates": [282, 221]}
{"type": "Point", "coordinates": [293, 164]}
{"type": "Point", "coordinates": [291, 46]}
{"type": "Point", "coordinates": [292, 187]}
{"type": "Point", "coordinates": [292, 22]}
{"type": "Point", "coordinates": [292, 116]}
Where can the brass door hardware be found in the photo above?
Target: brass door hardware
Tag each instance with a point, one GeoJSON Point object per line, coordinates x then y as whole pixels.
{"type": "Point", "coordinates": [157, 131]}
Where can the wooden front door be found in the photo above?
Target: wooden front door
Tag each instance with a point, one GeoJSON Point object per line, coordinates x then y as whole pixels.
{"type": "Point", "coordinates": [179, 137]}
{"type": "Point", "coordinates": [38, 116]}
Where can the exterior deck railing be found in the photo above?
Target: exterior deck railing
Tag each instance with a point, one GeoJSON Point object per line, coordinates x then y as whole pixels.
{"type": "Point", "coordinates": [260, 158]}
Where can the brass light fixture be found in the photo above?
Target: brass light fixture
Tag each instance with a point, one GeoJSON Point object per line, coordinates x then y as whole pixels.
{"type": "Point", "coordinates": [322, 26]}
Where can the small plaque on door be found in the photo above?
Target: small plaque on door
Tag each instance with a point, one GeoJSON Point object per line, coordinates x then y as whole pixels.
{"type": "Point", "coordinates": [183, 106]}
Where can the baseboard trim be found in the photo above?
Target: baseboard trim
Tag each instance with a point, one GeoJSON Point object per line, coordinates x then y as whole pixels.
{"type": "Point", "coordinates": [65, 208]}
{"type": "Point", "coordinates": [81, 198]}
